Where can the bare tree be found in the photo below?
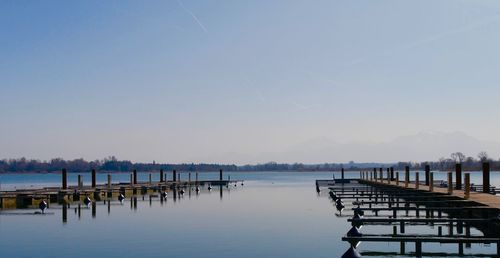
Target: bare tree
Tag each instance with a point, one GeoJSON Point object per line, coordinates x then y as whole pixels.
{"type": "Point", "coordinates": [458, 157]}
{"type": "Point", "coordinates": [483, 156]}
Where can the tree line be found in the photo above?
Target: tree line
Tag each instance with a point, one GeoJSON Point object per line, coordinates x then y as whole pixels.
{"type": "Point", "coordinates": [112, 164]}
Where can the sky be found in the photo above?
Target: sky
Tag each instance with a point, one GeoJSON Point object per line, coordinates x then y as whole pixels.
{"type": "Point", "coordinates": [247, 81]}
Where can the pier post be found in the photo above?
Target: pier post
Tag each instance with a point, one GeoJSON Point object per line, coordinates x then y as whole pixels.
{"type": "Point", "coordinates": [131, 179]}
{"type": "Point", "coordinates": [392, 174]}
{"type": "Point", "coordinates": [467, 186]}
{"type": "Point", "coordinates": [417, 183]}
{"type": "Point", "coordinates": [135, 176]}
{"type": "Point", "coordinates": [109, 180]}
{"type": "Point", "coordinates": [174, 175]}
{"type": "Point", "coordinates": [64, 179]}
{"type": "Point", "coordinates": [450, 183]}
{"type": "Point", "coordinates": [397, 178]}
{"type": "Point", "coordinates": [458, 176]}
{"type": "Point", "coordinates": [161, 176]}
{"type": "Point", "coordinates": [486, 177]}
{"type": "Point", "coordinates": [431, 181]}
{"type": "Point", "coordinates": [427, 174]}
{"type": "Point", "coordinates": [150, 178]}
{"type": "Point", "coordinates": [407, 176]}
{"type": "Point", "coordinates": [220, 175]}
{"type": "Point", "coordinates": [371, 176]}
{"type": "Point", "coordinates": [80, 181]}
{"type": "Point", "coordinates": [381, 171]}
{"type": "Point", "coordinates": [189, 177]}
{"type": "Point", "coordinates": [342, 173]}
{"type": "Point", "coordinates": [196, 177]}
{"type": "Point", "coordinates": [388, 176]}
{"type": "Point", "coordinates": [94, 179]}
{"type": "Point", "coordinates": [375, 174]}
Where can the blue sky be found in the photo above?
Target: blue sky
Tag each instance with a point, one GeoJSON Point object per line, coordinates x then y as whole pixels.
{"type": "Point", "coordinates": [229, 81]}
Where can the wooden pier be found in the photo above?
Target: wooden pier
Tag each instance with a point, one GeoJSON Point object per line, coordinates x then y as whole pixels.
{"type": "Point", "coordinates": [30, 198]}
{"type": "Point", "coordinates": [394, 201]}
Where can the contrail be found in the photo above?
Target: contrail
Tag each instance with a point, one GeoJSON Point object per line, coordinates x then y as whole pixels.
{"type": "Point", "coordinates": [192, 15]}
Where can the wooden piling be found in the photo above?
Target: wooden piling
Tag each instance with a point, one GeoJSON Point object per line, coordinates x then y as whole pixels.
{"type": "Point", "coordinates": [458, 176]}
{"type": "Point", "coordinates": [427, 174]}
{"type": "Point", "coordinates": [64, 179]}
{"type": "Point", "coordinates": [189, 177]}
{"type": "Point", "coordinates": [417, 183]}
{"type": "Point", "coordinates": [486, 177]}
{"type": "Point", "coordinates": [450, 183]}
{"type": "Point", "coordinates": [381, 171]}
{"type": "Point", "coordinates": [342, 173]}
{"type": "Point", "coordinates": [197, 177]}
{"type": "Point", "coordinates": [431, 181]}
{"type": "Point", "coordinates": [174, 175]}
{"type": "Point", "coordinates": [94, 178]}
{"type": "Point", "coordinates": [161, 176]}
{"type": "Point", "coordinates": [109, 180]}
{"type": "Point", "coordinates": [150, 179]}
{"type": "Point", "coordinates": [392, 174]}
{"type": "Point", "coordinates": [131, 179]}
{"type": "Point", "coordinates": [220, 175]}
{"type": "Point", "coordinates": [375, 174]}
{"type": "Point", "coordinates": [397, 178]}
{"type": "Point", "coordinates": [80, 181]}
{"type": "Point", "coordinates": [407, 176]}
{"type": "Point", "coordinates": [135, 176]}
{"type": "Point", "coordinates": [467, 186]}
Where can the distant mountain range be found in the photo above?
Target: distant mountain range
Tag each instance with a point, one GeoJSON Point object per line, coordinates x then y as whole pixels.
{"type": "Point", "coordinates": [423, 146]}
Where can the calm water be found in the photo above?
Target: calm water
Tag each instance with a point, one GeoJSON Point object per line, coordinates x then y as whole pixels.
{"type": "Point", "coordinates": [274, 214]}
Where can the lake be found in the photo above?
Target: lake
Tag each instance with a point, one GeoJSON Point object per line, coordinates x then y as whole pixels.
{"type": "Point", "coordinates": [274, 214]}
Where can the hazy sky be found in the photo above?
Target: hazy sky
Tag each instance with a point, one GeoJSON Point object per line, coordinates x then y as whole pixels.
{"type": "Point", "coordinates": [229, 81]}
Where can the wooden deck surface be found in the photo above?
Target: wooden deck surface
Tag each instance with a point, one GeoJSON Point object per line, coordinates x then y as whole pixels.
{"type": "Point", "coordinates": [489, 200]}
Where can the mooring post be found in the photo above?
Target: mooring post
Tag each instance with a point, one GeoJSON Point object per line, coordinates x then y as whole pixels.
{"type": "Point", "coordinates": [392, 174]}
{"type": "Point", "coordinates": [418, 248]}
{"type": "Point", "coordinates": [135, 176]}
{"type": "Point", "coordinates": [388, 176]}
{"type": "Point", "coordinates": [174, 175]}
{"type": "Point", "coordinates": [342, 173]}
{"type": "Point", "coordinates": [467, 186]}
{"type": "Point", "coordinates": [397, 178]}
{"type": "Point", "coordinates": [161, 176]}
{"type": "Point", "coordinates": [131, 179]}
{"type": "Point", "coordinates": [431, 181]}
{"type": "Point", "coordinates": [109, 180]}
{"type": "Point", "coordinates": [371, 176]}
{"type": "Point", "coordinates": [417, 183]}
{"type": "Point", "coordinates": [189, 177]}
{"type": "Point", "coordinates": [64, 179]}
{"type": "Point", "coordinates": [450, 183]}
{"type": "Point", "coordinates": [458, 176]}
{"type": "Point", "coordinates": [381, 175]}
{"type": "Point", "coordinates": [79, 181]}
{"type": "Point", "coordinates": [407, 176]}
{"type": "Point", "coordinates": [427, 174]}
{"type": "Point", "coordinates": [150, 178]}
{"type": "Point", "coordinates": [486, 177]}
{"type": "Point", "coordinates": [220, 175]}
{"type": "Point", "coordinates": [196, 177]}
{"type": "Point", "coordinates": [375, 174]}
{"type": "Point", "coordinates": [94, 178]}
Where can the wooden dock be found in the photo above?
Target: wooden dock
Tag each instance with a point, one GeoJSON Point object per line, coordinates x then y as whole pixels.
{"type": "Point", "coordinates": [31, 198]}
{"type": "Point", "coordinates": [459, 205]}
